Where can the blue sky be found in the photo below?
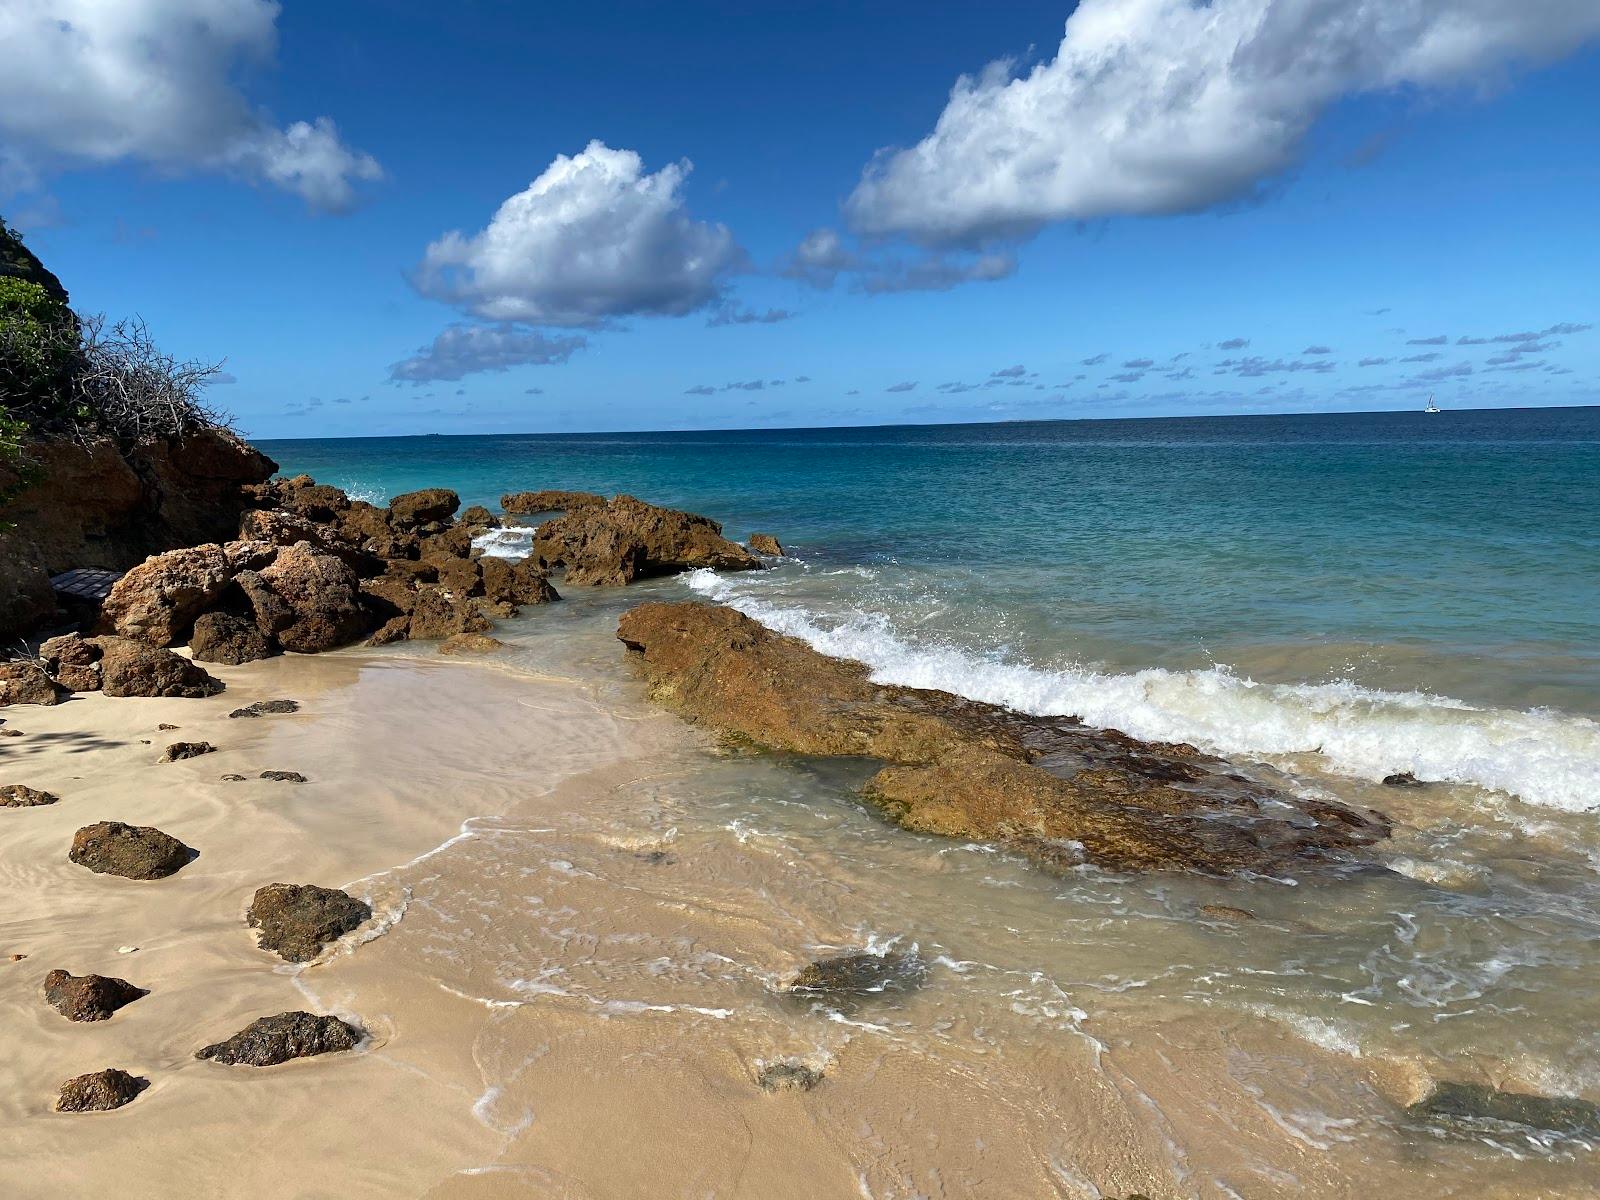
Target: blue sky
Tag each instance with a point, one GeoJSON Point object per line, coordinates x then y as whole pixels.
{"type": "Point", "coordinates": [1335, 196]}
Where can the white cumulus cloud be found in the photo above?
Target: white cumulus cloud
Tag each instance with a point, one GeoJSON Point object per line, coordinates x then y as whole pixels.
{"type": "Point", "coordinates": [154, 82]}
{"type": "Point", "coordinates": [1167, 106]}
{"type": "Point", "coordinates": [593, 238]}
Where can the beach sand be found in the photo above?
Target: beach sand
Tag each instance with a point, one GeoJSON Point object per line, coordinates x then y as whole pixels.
{"type": "Point", "coordinates": [583, 925]}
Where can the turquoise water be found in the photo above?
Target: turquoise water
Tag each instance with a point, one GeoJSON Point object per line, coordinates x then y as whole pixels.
{"type": "Point", "coordinates": [1388, 591]}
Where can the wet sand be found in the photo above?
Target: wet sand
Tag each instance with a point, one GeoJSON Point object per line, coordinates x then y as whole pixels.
{"type": "Point", "coordinates": [584, 920]}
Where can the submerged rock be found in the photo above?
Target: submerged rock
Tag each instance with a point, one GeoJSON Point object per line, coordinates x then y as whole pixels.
{"type": "Point", "coordinates": [268, 1041]}
{"type": "Point", "coordinates": [16, 795]}
{"type": "Point", "coordinates": [788, 1076]}
{"type": "Point", "coordinates": [263, 708]}
{"type": "Point", "coordinates": [1468, 1108]}
{"type": "Point", "coordinates": [854, 977]}
{"type": "Point", "coordinates": [1049, 787]}
{"type": "Point", "coordinates": [765, 543]}
{"type": "Point", "coordinates": [626, 539]}
{"type": "Point", "coordinates": [221, 637]}
{"type": "Point", "coordinates": [1403, 779]}
{"type": "Point", "coordinates": [182, 750]}
{"type": "Point", "coordinates": [297, 920]}
{"type": "Point", "coordinates": [1227, 912]}
{"type": "Point", "coordinates": [470, 643]}
{"type": "Point", "coordinates": [130, 668]}
{"type": "Point", "coordinates": [100, 1091]}
{"type": "Point", "coordinates": [88, 997]}
{"type": "Point", "coordinates": [131, 851]}
{"type": "Point", "coordinates": [25, 681]}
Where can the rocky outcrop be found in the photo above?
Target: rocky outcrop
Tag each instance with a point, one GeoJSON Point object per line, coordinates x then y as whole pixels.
{"type": "Point", "coordinates": [100, 1091]}
{"type": "Point", "coordinates": [129, 668]}
{"type": "Point", "coordinates": [297, 920]}
{"type": "Point", "coordinates": [88, 997]}
{"type": "Point", "coordinates": [268, 1041]}
{"type": "Point", "coordinates": [158, 600]}
{"type": "Point", "coordinates": [526, 503]}
{"type": "Point", "coordinates": [1049, 787]}
{"type": "Point", "coordinates": [16, 795]}
{"type": "Point", "coordinates": [470, 643]}
{"type": "Point", "coordinates": [428, 506]}
{"type": "Point", "coordinates": [105, 506]}
{"type": "Point", "coordinates": [221, 637]}
{"type": "Point", "coordinates": [626, 539]}
{"type": "Point", "coordinates": [131, 851]}
{"type": "Point", "coordinates": [25, 681]}
{"type": "Point", "coordinates": [765, 543]}
{"type": "Point", "coordinates": [306, 599]}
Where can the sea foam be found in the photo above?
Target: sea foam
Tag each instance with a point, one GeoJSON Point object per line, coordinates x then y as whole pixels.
{"type": "Point", "coordinates": [1539, 756]}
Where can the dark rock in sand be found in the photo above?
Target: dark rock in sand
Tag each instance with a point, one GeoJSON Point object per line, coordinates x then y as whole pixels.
{"type": "Point", "coordinates": [181, 750]}
{"type": "Point", "coordinates": [130, 668]}
{"type": "Point", "coordinates": [267, 1041]}
{"type": "Point", "coordinates": [11, 733]}
{"type": "Point", "coordinates": [550, 500]}
{"type": "Point", "coordinates": [1403, 779]}
{"type": "Point", "coordinates": [221, 637]}
{"type": "Point", "coordinates": [166, 727]}
{"type": "Point", "coordinates": [262, 708]}
{"type": "Point", "coordinates": [765, 543]}
{"type": "Point", "coordinates": [1471, 1109]}
{"type": "Point", "coordinates": [231, 778]}
{"type": "Point", "coordinates": [283, 776]}
{"type": "Point", "coordinates": [788, 1077]}
{"type": "Point", "coordinates": [100, 1091]}
{"type": "Point", "coordinates": [88, 997]}
{"type": "Point", "coordinates": [626, 539]}
{"type": "Point", "coordinates": [470, 643]}
{"type": "Point", "coordinates": [15, 795]}
{"type": "Point", "coordinates": [297, 920]}
{"type": "Point", "coordinates": [423, 507]}
{"type": "Point", "coordinates": [1049, 787]}
{"type": "Point", "coordinates": [854, 977]}
{"type": "Point", "coordinates": [26, 682]}
{"type": "Point", "coordinates": [132, 851]}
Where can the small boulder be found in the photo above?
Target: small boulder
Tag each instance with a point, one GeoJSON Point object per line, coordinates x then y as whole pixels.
{"type": "Point", "coordinates": [100, 1091]}
{"type": "Point", "coordinates": [182, 750]}
{"type": "Point", "coordinates": [131, 851]}
{"type": "Point", "coordinates": [297, 920]}
{"type": "Point", "coordinates": [439, 614]}
{"type": "Point", "coordinates": [157, 601]}
{"type": "Point", "coordinates": [422, 507]}
{"type": "Point", "coordinates": [284, 776]}
{"type": "Point", "coordinates": [15, 795]}
{"type": "Point", "coordinates": [262, 708]}
{"type": "Point", "coordinates": [520, 582]}
{"type": "Point", "coordinates": [268, 1041]}
{"type": "Point", "coordinates": [130, 668]}
{"type": "Point", "coordinates": [1402, 779]}
{"type": "Point", "coordinates": [74, 661]}
{"type": "Point", "coordinates": [308, 599]}
{"type": "Point", "coordinates": [315, 501]}
{"type": "Point", "coordinates": [478, 517]}
{"type": "Point", "coordinates": [848, 978]}
{"type": "Point", "coordinates": [88, 997]}
{"type": "Point", "coordinates": [788, 1076]}
{"type": "Point", "coordinates": [25, 681]}
{"type": "Point", "coordinates": [765, 543]}
{"type": "Point", "coordinates": [470, 643]}
{"type": "Point", "coordinates": [221, 637]}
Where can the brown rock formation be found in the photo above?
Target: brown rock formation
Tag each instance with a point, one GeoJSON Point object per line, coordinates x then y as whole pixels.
{"type": "Point", "coordinates": [1047, 786]}
{"type": "Point", "coordinates": [179, 751]}
{"type": "Point", "coordinates": [129, 668]}
{"type": "Point", "coordinates": [306, 599]}
{"type": "Point", "coordinates": [158, 600]}
{"type": "Point", "coordinates": [765, 543]}
{"type": "Point", "coordinates": [423, 507]}
{"type": "Point", "coordinates": [524, 503]}
{"type": "Point", "coordinates": [297, 920]}
{"type": "Point", "coordinates": [100, 1091]}
{"type": "Point", "coordinates": [267, 1041]}
{"type": "Point", "coordinates": [26, 682]}
{"type": "Point", "coordinates": [132, 851]}
{"type": "Point", "coordinates": [626, 539]}
{"type": "Point", "coordinates": [73, 661]}
{"type": "Point", "coordinates": [88, 997]}
{"type": "Point", "coordinates": [221, 637]}
{"type": "Point", "coordinates": [16, 795]}
{"type": "Point", "coordinates": [470, 643]}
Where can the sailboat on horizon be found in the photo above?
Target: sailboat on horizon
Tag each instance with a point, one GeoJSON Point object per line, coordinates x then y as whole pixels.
{"type": "Point", "coordinates": [1432, 407]}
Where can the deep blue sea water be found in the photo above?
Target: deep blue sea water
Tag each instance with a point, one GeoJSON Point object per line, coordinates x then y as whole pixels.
{"type": "Point", "coordinates": [1388, 590]}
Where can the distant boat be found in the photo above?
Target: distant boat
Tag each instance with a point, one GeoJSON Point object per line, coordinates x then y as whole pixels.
{"type": "Point", "coordinates": [1432, 407]}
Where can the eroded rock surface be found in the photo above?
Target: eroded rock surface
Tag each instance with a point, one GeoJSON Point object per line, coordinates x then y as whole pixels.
{"type": "Point", "coordinates": [100, 1091]}
{"type": "Point", "coordinates": [1474, 1110]}
{"type": "Point", "coordinates": [297, 920]}
{"type": "Point", "coordinates": [263, 708]}
{"type": "Point", "coordinates": [88, 997]}
{"type": "Point", "coordinates": [24, 681]}
{"type": "Point", "coordinates": [850, 978]}
{"type": "Point", "coordinates": [73, 661]}
{"type": "Point", "coordinates": [268, 1041]}
{"type": "Point", "coordinates": [16, 795]}
{"type": "Point", "coordinates": [549, 500]}
{"type": "Point", "coordinates": [158, 600]}
{"type": "Point", "coordinates": [1050, 787]}
{"type": "Point", "coordinates": [765, 543]}
{"type": "Point", "coordinates": [788, 1077]}
{"type": "Point", "coordinates": [179, 751]}
{"type": "Point", "coordinates": [130, 668]}
{"type": "Point", "coordinates": [470, 643]}
{"type": "Point", "coordinates": [132, 851]}
{"type": "Point", "coordinates": [222, 637]}
{"type": "Point", "coordinates": [424, 506]}
{"type": "Point", "coordinates": [625, 539]}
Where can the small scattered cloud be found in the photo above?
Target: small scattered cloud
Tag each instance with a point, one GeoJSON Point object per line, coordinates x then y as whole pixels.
{"type": "Point", "coordinates": [1139, 364]}
{"type": "Point", "coordinates": [1437, 340]}
{"type": "Point", "coordinates": [700, 389]}
{"type": "Point", "coordinates": [1096, 360]}
{"type": "Point", "coordinates": [462, 350]}
{"type": "Point", "coordinates": [1235, 343]}
{"type": "Point", "coordinates": [1373, 362]}
{"type": "Point", "coordinates": [1316, 350]}
{"type": "Point", "coordinates": [1430, 356]}
{"type": "Point", "coordinates": [1016, 372]}
{"type": "Point", "coordinates": [908, 386]}
{"type": "Point", "coordinates": [222, 379]}
{"type": "Point", "coordinates": [733, 314]}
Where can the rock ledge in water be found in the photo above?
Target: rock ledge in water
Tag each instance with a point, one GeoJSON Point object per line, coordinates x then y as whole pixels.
{"type": "Point", "coordinates": [854, 977]}
{"type": "Point", "coordinates": [1469, 1107]}
{"type": "Point", "coordinates": [262, 708]}
{"type": "Point", "coordinates": [268, 1041]}
{"type": "Point", "coordinates": [100, 1091]}
{"type": "Point", "coordinates": [297, 920]}
{"type": "Point", "coordinates": [132, 851]}
{"type": "Point", "coordinates": [88, 997]}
